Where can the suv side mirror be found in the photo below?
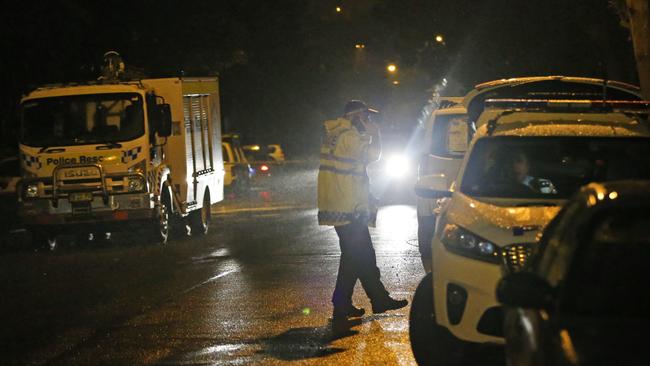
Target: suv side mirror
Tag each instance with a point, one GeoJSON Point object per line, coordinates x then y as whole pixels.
{"type": "Point", "coordinates": [164, 120]}
{"type": "Point", "coordinates": [525, 290]}
{"type": "Point", "coordinates": [432, 186]}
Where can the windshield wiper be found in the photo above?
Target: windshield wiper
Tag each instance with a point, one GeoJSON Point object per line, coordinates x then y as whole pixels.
{"type": "Point", "coordinates": [109, 145]}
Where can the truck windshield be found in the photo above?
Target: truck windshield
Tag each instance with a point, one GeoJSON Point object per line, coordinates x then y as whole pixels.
{"type": "Point", "coordinates": [551, 167]}
{"type": "Point", "coordinates": [82, 119]}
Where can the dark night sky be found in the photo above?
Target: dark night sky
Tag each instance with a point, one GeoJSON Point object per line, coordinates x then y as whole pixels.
{"type": "Point", "coordinates": [287, 65]}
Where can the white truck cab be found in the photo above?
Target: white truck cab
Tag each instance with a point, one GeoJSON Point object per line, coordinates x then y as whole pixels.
{"type": "Point", "coordinates": [525, 159]}
{"type": "Point", "coordinates": [117, 155]}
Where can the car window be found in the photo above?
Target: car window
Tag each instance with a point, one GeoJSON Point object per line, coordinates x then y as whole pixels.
{"type": "Point", "coordinates": [610, 266]}
{"type": "Point", "coordinates": [239, 155]}
{"type": "Point", "coordinates": [257, 155]}
{"type": "Point", "coordinates": [449, 135]}
{"type": "Point", "coordinates": [551, 166]}
{"type": "Point", "coordinates": [227, 154]}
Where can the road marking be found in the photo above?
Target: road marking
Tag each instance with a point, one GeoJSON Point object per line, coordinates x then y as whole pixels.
{"type": "Point", "coordinates": [211, 279]}
{"type": "Point", "coordinates": [259, 209]}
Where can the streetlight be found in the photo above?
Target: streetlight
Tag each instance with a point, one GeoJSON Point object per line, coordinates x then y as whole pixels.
{"type": "Point", "coordinates": [440, 38]}
{"type": "Point", "coordinates": [391, 68]}
{"type": "Point", "coordinates": [359, 46]}
{"type": "Point", "coordinates": [338, 9]}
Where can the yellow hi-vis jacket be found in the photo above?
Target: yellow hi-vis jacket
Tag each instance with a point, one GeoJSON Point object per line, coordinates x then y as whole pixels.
{"type": "Point", "coordinates": [343, 186]}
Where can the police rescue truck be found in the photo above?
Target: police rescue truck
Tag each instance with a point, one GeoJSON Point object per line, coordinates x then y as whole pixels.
{"type": "Point", "coordinates": [120, 155]}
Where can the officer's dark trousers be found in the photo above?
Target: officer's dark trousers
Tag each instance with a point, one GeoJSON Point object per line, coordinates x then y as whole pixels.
{"type": "Point", "coordinates": [358, 261]}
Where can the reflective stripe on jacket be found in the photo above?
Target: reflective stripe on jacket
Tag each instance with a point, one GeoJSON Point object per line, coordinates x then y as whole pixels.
{"type": "Point", "coordinates": [343, 191]}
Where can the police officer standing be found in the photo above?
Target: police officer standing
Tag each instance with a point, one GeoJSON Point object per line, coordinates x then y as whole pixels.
{"type": "Point", "coordinates": [349, 144]}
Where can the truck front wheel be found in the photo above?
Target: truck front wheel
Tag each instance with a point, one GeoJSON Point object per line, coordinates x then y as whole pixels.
{"type": "Point", "coordinates": [160, 227]}
{"type": "Point", "coordinates": [200, 219]}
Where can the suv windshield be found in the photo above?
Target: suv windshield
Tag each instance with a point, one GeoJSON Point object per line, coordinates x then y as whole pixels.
{"type": "Point", "coordinates": [551, 167]}
{"type": "Point", "coordinates": [82, 119]}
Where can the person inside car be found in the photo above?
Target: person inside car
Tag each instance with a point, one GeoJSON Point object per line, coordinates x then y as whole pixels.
{"type": "Point", "coordinates": [511, 168]}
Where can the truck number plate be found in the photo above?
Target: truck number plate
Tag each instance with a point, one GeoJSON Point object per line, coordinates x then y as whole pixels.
{"type": "Point", "coordinates": [80, 173]}
{"type": "Point", "coordinates": [81, 197]}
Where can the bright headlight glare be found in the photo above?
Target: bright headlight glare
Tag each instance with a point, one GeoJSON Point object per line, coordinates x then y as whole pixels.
{"type": "Point", "coordinates": [465, 243]}
{"type": "Point", "coordinates": [397, 166]}
{"type": "Point", "coordinates": [31, 190]}
{"type": "Point", "coordinates": [136, 184]}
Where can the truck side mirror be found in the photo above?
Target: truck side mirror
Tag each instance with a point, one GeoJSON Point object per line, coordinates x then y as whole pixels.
{"type": "Point", "coordinates": [164, 117]}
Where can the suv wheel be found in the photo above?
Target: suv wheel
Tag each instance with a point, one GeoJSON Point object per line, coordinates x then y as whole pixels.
{"type": "Point", "coordinates": [431, 344]}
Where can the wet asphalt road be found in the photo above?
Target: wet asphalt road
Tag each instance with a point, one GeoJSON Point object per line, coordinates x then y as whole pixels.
{"type": "Point", "coordinates": [255, 290]}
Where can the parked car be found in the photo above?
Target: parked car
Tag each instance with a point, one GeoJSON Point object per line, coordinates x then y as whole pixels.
{"type": "Point", "coordinates": [525, 160]}
{"type": "Point", "coordinates": [449, 129]}
{"type": "Point", "coordinates": [238, 171]}
{"type": "Point", "coordinates": [260, 160]}
{"type": "Point", "coordinates": [445, 143]}
{"type": "Point", "coordinates": [581, 299]}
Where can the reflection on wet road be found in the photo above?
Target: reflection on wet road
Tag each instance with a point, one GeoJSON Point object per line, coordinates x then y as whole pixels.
{"type": "Point", "coordinates": [256, 290]}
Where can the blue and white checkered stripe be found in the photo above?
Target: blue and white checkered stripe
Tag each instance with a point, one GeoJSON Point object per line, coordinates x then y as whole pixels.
{"type": "Point", "coordinates": [130, 155]}
{"type": "Point", "coordinates": [31, 161]}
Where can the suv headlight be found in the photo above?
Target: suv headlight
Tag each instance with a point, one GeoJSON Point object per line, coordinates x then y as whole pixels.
{"type": "Point", "coordinates": [31, 190]}
{"type": "Point", "coordinates": [136, 184]}
{"type": "Point", "coordinates": [462, 242]}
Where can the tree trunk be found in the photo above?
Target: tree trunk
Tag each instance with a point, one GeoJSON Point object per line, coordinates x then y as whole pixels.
{"type": "Point", "coordinates": [639, 11]}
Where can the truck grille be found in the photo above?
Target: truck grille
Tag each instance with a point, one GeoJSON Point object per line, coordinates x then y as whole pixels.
{"type": "Point", "coordinates": [515, 256]}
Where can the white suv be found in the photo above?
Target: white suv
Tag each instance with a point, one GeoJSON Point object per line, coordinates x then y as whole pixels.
{"type": "Point", "coordinates": [525, 159]}
{"type": "Point", "coordinates": [445, 143]}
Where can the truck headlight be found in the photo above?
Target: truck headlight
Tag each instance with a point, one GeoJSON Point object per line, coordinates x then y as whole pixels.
{"type": "Point", "coordinates": [462, 242]}
{"type": "Point", "coordinates": [136, 184]}
{"type": "Point", "coordinates": [139, 168]}
{"type": "Point", "coordinates": [397, 166]}
{"type": "Point", "coordinates": [31, 190]}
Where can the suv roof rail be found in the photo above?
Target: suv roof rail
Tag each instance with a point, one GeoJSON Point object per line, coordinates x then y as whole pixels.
{"type": "Point", "coordinates": [631, 106]}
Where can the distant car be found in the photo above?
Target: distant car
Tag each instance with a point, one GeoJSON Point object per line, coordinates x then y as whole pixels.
{"type": "Point", "coordinates": [260, 160]}
{"type": "Point", "coordinates": [583, 298]}
{"type": "Point", "coordinates": [9, 179]}
{"type": "Point", "coordinates": [276, 152]}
